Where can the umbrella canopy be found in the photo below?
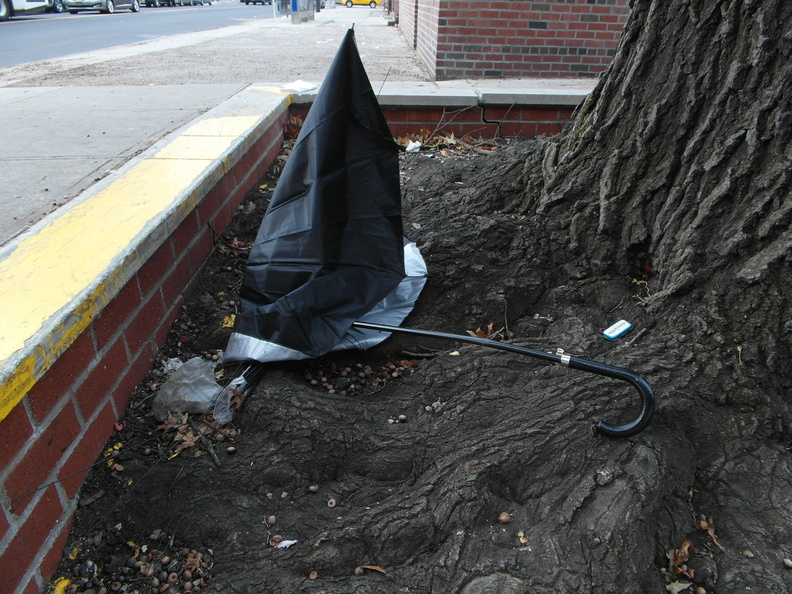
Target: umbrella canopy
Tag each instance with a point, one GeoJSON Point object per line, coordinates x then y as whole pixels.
{"type": "Point", "coordinates": [330, 249]}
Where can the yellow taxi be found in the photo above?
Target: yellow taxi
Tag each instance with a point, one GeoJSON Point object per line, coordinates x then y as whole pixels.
{"type": "Point", "coordinates": [371, 3]}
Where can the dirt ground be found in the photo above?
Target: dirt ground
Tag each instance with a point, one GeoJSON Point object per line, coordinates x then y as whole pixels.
{"type": "Point", "coordinates": [428, 466]}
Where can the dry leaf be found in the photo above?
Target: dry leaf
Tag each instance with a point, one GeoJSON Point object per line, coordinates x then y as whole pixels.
{"type": "Point", "coordinates": [709, 526]}
{"type": "Point", "coordinates": [677, 557]}
{"type": "Point", "coordinates": [237, 400]}
{"type": "Point", "coordinates": [374, 568]}
{"type": "Point", "coordinates": [678, 586]}
{"type": "Point", "coordinates": [405, 363]}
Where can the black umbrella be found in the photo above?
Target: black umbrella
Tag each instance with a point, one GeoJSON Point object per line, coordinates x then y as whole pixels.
{"type": "Point", "coordinates": [329, 268]}
{"type": "Point", "coordinates": [330, 247]}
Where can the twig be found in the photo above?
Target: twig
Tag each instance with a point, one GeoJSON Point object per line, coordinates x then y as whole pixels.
{"type": "Point", "coordinates": [617, 307]}
{"type": "Point", "coordinates": [419, 355]}
{"type": "Point", "coordinates": [636, 337]}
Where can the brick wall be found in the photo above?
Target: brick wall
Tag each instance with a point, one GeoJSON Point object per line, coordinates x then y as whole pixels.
{"type": "Point", "coordinates": [59, 427]}
{"type": "Point", "coordinates": [462, 39]}
{"type": "Point", "coordinates": [407, 10]}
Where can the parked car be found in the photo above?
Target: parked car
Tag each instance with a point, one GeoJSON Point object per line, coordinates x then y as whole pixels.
{"type": "Point", "coordinates": [158, 3]}
{"type": "Point", "coordinates": [10, 8]}
{"type": "Point", "coordinates": [265, 2]}
{"type": "Point", "coordinates": [371, 3]}
{"type": "Point", "coordinates": [106, 6]}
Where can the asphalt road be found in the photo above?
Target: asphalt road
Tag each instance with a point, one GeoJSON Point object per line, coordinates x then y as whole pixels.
{"type": "Point", "coordinates": [47, 36]}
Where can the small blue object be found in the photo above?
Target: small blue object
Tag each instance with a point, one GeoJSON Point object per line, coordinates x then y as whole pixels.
{"type": "Point", "coordinates": [620, 328]}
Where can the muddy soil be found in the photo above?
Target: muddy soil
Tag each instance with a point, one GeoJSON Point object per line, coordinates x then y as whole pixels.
{"type": "Point", "coordinates": [429, 466]}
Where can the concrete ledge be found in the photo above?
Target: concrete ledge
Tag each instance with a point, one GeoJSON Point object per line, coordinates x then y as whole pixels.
{"type": "Point", "coordinates": [468, 93]}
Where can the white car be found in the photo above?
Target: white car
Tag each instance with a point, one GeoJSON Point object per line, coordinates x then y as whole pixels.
{"type": "Point", "coordinates": [106, 6]}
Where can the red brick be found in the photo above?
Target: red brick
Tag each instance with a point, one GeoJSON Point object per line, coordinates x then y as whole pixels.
{"type": "Point", "coordinates": [97, 385]}
{"type": "Point", "coordinates": [221, 218]}
{"type": "Point", "coordinates": [16, 430]}
{"type": "Point", "coordinates": [115, 314]}
{"type": "Point", "coordinates": [32, 587]}
{"type": "Point", "coordinates": [394, 114]}
{"type": "Point", "coordinates": [4, 525]}
{"type": "Point", "coordinates": [548, 129]}
{"type": "Point", "coordinates": [152, 271]}
{"type": "Point", "coordinates": [137, 371]}
{"type": "Point", "coordinates": [161, 333]}
{"type": "Point", "coordinates": [30, 537]}
{"type": "Point", "coordinates": [58, 378]}
{"type": "Point", "coordinates": [141, 329]}
{"type": "Point", "coordinates": [185, 234]}
{"type": "Point", "coordinates": [76, 468]}
{"type": "Point", "coordinates": [519, 129]}
{"type": "Point", "coordinates": [226, 185]}
{"type": "Point", "coordinates": [34, 468]}
{"type": "Point", "coordinates": [201, 248]}
{"type": "Point", "coordinates": [238, 194]}
{"type": "Point", "coordinates": [174, 284]}
{"type": "Point", "coordinates": [208, 207]}
{"type": "Point", "coordinates": [51, 560]}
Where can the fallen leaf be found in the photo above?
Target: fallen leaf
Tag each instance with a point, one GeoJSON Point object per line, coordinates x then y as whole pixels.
{"type": "Point", "coordinates": [374, 568]}
{"type": "Point", "coordinates": [677, 586]}
{"type": "Point", "coordinates": [237, 400]}
{"type": "Point", "coordinates": [405, 363]}
{"type": "Point", "coordinates": [709, 526]}
{"type": "Point", "coordinates": [677, 557]}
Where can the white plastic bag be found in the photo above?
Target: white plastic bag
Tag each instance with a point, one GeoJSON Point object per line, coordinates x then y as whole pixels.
{"type": "Point", "coordinates": [191, 388]}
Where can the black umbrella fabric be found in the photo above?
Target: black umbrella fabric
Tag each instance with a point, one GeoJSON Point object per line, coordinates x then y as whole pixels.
{"type": "Point", "coordinates": [330, 249]}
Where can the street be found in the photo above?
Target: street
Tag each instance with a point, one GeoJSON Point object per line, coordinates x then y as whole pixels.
{"type": "Point", "coordinates": [47, 36]}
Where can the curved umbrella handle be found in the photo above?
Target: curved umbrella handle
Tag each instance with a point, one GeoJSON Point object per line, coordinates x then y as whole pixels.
{"type": "Point", "coordinates": [628, 429]}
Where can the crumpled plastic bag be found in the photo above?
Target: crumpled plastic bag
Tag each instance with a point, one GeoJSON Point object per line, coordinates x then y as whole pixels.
{"type": "Point", "coordinates": [191, 388]}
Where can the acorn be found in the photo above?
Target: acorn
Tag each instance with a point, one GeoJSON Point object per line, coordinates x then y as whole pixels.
{"type": "Point", "coordinates": [788, 563]}
{"type": "Point", "coordinates": [271, 520]}
{"type": "Point", "coordinates": [313, 489]}
{"type": "Point", "coordinates": [359, 571]}
{"type": "Point", "coordinates": [313, 575]}
{"type": "Point", "coordinates": [504, 518]}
